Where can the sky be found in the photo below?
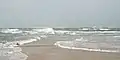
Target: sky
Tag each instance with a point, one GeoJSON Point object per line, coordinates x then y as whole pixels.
{"type": "Point", "coordinates": [59, 13]}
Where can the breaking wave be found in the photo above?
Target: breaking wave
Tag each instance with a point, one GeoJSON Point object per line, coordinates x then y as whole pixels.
{"type": "Point", "coordinates": [11, 31]}
{"type": "Point", "coordinates": [45, 30]}
{"type": "Point", "coordinates": [54, 31]}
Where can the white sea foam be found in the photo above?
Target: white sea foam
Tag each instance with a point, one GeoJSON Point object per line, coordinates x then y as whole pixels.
{"type": "Point", "coordinates": [11, 31]}
{"type": "Point", "coordinates": [116, 36]}
{"type": "Point", "coordinates": [81, 39]}
{"type": "Point", "coordinates": [14, 53]}
{"type": "Point", "coordinates": [11, 53]}
{"type": "Point", "coordinates": [45, 30]}
{"type": "Point", "coordinates": [99, 32]}
{"type": "Point", "coordinates": [18, 56]}
{"type": "Point", "coordinates": [37, 37]}
{"type": "Point", "coordinates": [43, 36]}
{"type": "Point", "coordinates": [25, 41]}
{"type": "Point", "coordinates": [86, 32]}
{"type": "Point", "coordinates": [67, 32]}
{"type": "Point", "coordinates": [58, 43]}
{"type": "Point", "coordinates": [62, 32]}
{"type": "Point", "coordinates": [104, 29]}
{"type": "Point", "coordinates": [31, 32]}
{"type": "Point", "coordinates": [52, 31]}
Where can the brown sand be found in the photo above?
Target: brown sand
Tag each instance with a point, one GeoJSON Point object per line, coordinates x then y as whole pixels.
{"type": "Point", "coordinates": [44, 50]}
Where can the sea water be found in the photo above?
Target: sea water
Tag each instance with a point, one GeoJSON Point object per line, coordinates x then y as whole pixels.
{"type": "Point", "coordinates": [9, 41]}
{"type": "Point", "coordinates": [100, 41]}
{"type": "Point", "coordinates": [94, 40]}
{"type": "Point", "coordinates": [92, 43]}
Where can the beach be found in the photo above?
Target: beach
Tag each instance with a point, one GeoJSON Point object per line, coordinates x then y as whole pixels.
{"type": "Point", "coordinates": [46, 50]}
{"type": "Point", "coordinates": [51, 44]}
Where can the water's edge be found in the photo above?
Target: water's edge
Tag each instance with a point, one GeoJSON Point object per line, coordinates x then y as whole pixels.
{"type": "Point", "coordinates": [58, 43]}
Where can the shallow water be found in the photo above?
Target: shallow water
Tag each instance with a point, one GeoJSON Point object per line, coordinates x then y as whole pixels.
{"type": "Point", "coordinates": [97, 43]}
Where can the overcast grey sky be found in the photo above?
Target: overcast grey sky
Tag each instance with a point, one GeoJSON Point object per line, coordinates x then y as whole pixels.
{"type": "Point", "coordinates": [59, 13]}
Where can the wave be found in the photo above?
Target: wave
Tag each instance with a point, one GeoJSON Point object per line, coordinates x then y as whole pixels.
{"type": "Point", "coordinates": [86, 32]}
{"type": "Point", "coordinates": [116, 36]}
{"type": "Point", "coordinates": [43, 36]}
{"type": "Point", "coordinates": [26, 41]}
{"type": "Point", "coordinates": [53, 31]}
{"type": "Point", "coordinates": [13, 31]}
{"type": "Point", "coordinates": [31, 32]}
{"type": "Point", "coordinates": [58, 43]}
{"type": "Point", "coordinates": [22, 42]}
{"type": "Point", "coordinates": [45, 30]}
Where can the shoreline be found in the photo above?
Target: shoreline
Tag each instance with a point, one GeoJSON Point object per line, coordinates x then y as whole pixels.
{"type": "Point", "coordinates": [48, 51]}
{"type": "Point", "coordinates": [86, 49]}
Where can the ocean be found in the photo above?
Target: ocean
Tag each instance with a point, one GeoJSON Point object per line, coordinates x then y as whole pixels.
{"type": "Point", "coordinates": [89, 39]}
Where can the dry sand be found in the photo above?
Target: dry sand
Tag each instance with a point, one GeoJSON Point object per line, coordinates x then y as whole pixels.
{"type": "Point", "coordinates": [45, 50]}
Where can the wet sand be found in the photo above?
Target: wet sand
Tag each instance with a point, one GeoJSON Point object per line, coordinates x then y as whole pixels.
{"type": "Point", "coordinates": [45, 50]}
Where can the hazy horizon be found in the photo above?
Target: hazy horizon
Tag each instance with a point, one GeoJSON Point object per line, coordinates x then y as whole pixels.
{"type": "Point", "coordinates": [59, 13]}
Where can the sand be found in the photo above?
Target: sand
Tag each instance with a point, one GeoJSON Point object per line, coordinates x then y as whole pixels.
{"type": "Point", "coordinates": [45, 50]}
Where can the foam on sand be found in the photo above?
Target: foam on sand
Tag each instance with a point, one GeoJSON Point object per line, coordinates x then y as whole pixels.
{"type": "Point", "coordinates": [26, 41]}
{"type": "Point", "coordinates": [58, 43]}
{"type": "Point", "coordinates": [9, 51]}
{"type": "Point", "coordinates": [22, 42]}
{"type": "Point", "coordinates": [18, 56]}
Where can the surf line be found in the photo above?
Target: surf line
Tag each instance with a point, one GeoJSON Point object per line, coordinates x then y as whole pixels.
{"type": "Point", "coordinates": [58, 43]}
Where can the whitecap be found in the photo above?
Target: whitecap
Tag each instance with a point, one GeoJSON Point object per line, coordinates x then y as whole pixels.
{"type": "Point", "coordinates": [45, 30]}
{"type": "Point", "coordinates": [11, 31]}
